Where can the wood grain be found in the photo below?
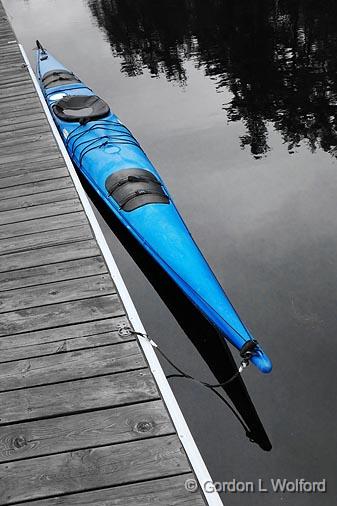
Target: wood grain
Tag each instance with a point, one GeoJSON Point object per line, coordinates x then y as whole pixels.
{"type": "Point", "coordinates": [161, 492]}
{"type": "Point", "coordinates": [92, 468]}
{"type": "Point", "coordinates": [59, 291]}
{"type": "Point", "coordinates": [43, 225]}
{"type": "Point", "coordinates": [44, 274]}
{"type": "Point", "coordinates": [36, 187]}
{"type": "Point", "coordinates": [29, 201]}
{"type": "Point", "coordinates": [28, 161]}
{"type": "Point", "coordinates": [42, 239]}
{"type": "Point", "coordinates": [32, 177]}
{"type": "Point", "coordinates": [77, 396]}
{"type": "Point", "coordinates": [49, 255]}
{"type": "Point", "coordinates": [40, 151]}
{"type": "Point", "coordinates": [26, 143]}
{"type": "Point", "coordinates": [70, 366]}
{"type": "Point", "coordinates": [22, 123]}
{"type": "Point", "coordinates": [66, 313]}
{"type": "Point", "coordinates": [79, 407]}
{"type": "Point", "coordinates": [63, 339]}
{"type": "Point", "coordinates": [27, 166]}
{"type": "Point", "coordinates": [86, 430]}
{"type": "Point", "coordinates": [40, 211]}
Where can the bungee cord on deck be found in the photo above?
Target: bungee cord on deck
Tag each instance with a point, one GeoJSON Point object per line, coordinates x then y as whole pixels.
{"type": "Point", "coordinates": [121, 136]}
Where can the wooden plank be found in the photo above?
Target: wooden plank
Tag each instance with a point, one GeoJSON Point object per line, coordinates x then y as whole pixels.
{"type": "Point", "coordinates": [53, 293]}
{"type": "Point", "coordinates": [23, 133]}
{"type": "Point", "coordinates": [14, 68]}
{"type": "Point", "coordinates": [92, 468]}
{"type": "Point", "coordinates": [9, 51]}
{"type": "Point", "coordinates": [25, 167]}
{"type": "Point", "coordinates": [6, 30]}
{"type": "Point", "coordinates": [29, 201]}
{"type": "Point", "coordinates": [22, 115]}
{"type": "Point", "coordinates": [77, 396]}
{"type": "Point", "coordinates": [6, 33]}
{"type": "Point", "coordinates": [26, 141]}
{"type": "Point", "coordinates": [19, 90]}
{"type": "Point", "coordinates": [44, 274]}
{"type": "Point", "coordinates": [32, 177]}
{"type": "Point", "coordinates": [63, 339]}
{"type": "Point", "coordinates": [20, 81]}
{"type": "Point", "coordinates": [69, 379]}
{"type": "Point", "coordinates": [21, 150]}
{"type": "Point", "coordinates": [43, 224]}
{"type": "Point", "coordinates": [70, 366]}
{"type": "Point", "coordinates": [41, 150]}
{"type": "Point", "coordinates": [36, 187]}
{"type": "Point", "coordinates": [10, 107]}
{"type": "Point", "coordinates": [22, 122]}
{"type": "Point", "coordinates": [40, 211]}
{"type": "Point", "coordinates": [13, 86]}
{"type": "Point", "coordinates": [43, 239]}
{"type": "Point", "coordinates": [65, 313]}
{"type": "Point", "coordinates": [9, 60]}
{"type": "Point", "coordinates": [9, 57]}
{"type": "Point", "coordinates": [14, 79]}
{"type": "Point", "coordinates": [33, 127]}
{"type": "Point", "coordinates": [161, 492]}
{"type": "Point", "coordinates": [17, 69]}
{"type": "Point", "coordinates": [21, 111]}
{"type": "Point", "coordinates": [86, 430]}
{"type": "Point", "coordinates": [12, 102]}
{"type": "Point", "coordinates": [49, 255]}
{"type": "Point", "coordinates": [9, 48]}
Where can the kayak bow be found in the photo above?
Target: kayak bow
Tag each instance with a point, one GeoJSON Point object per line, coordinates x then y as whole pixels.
{"type": "Point", "coordinates": [114, 164]}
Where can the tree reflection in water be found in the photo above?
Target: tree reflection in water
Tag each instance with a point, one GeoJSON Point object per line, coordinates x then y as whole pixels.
{"type": "Point", "coordinates": [278, 58]}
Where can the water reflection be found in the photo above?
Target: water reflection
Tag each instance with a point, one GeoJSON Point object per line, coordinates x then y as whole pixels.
{"type": "Point", "coordinates": [278, 58]}
{"type": "Point", "coordinates": [210, 345]}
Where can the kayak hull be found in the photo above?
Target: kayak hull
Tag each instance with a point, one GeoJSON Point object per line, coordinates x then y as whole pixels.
{"type": "Point", "coordinates": [104, 148]}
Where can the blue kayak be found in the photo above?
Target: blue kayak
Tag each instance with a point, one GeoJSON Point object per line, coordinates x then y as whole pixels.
{"type": "Point", "coordinates": [116, 167]}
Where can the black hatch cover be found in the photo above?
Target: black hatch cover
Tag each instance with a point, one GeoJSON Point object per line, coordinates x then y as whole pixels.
{"type": "Point", "coordinates": [133, 188]}
{"type": "Point", "coordinates": [59, 78]}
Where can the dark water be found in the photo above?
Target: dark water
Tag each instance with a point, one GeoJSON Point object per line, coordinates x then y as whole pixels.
{"type": "Point", "coordinates": [235, 103]}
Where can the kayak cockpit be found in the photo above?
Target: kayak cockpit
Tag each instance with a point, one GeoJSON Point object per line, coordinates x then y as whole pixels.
{"type": "Point", "coordinates": [81, 108]}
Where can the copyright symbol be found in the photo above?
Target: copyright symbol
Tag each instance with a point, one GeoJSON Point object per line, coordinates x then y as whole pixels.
{"type": "Point", "coordinates": [191, 485]}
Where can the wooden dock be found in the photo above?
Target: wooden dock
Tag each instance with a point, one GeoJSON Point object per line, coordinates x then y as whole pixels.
{"type": "Point", "coordinates": [82, 418]}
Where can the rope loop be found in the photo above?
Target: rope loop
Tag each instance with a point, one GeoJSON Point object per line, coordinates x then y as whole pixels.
{"type": "Point", "coordinates": [181, 374]}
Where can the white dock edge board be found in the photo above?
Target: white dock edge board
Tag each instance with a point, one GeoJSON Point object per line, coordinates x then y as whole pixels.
{"type": "Point", "coordinates": [184, 434]}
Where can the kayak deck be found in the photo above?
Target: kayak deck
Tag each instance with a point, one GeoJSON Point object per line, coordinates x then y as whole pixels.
{"type": "Point", "coordinates": [115, 165]}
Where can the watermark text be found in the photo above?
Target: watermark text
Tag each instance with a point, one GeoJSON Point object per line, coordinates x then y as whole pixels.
{"type": "Point", "coordinates": [261, 486]}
